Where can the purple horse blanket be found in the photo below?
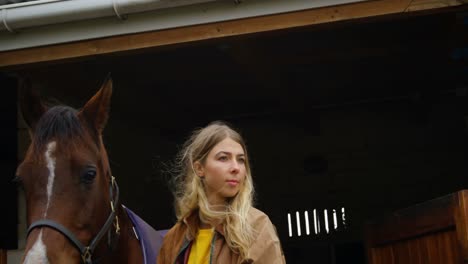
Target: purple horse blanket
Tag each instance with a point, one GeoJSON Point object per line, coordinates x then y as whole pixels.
{"type": "Point", "coordinates": [150, 239]}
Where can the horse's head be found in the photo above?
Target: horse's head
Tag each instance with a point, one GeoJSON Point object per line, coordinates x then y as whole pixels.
{"type": "Point", "coordinates": [66, 178]}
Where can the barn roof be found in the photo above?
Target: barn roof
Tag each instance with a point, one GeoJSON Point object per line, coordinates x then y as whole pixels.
{"type": "Point", "coordinates": [51, 30]}
{"type": "Point", "coordinates": [45, 22]}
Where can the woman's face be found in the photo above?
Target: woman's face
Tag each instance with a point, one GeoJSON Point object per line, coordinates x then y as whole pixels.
{"type": "Point", "coordinates": [223, 171]}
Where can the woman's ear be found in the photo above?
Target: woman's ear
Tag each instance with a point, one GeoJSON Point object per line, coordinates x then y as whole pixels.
{"type": "Point", "coordinates": [199, 170]}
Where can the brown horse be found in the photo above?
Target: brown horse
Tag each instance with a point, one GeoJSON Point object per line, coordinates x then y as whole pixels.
{"type": "Point", "coordinates": [73, 211]}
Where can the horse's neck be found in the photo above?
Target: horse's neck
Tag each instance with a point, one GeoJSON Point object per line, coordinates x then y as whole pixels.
{"type": "Point", "coordinates": [128, 248]}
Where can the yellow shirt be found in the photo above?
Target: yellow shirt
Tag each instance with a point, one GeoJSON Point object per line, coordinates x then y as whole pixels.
{"type": "Point", "coordinates": [201, 247]}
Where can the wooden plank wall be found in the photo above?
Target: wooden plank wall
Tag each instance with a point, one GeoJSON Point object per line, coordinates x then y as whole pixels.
{"type": "Point", "coordinates": [434, 232]}
{"type": "Point", "coordinates": [437, 248]}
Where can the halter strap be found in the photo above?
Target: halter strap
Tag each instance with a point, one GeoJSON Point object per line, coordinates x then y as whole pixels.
{"type": "Point", "coordinates": [87, 251]}
{"type": "Point", "coordinates": [60, 228]}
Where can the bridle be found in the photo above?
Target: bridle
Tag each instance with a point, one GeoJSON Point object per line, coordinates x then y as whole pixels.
{"type": "Point", "coordinates": [87, 251]}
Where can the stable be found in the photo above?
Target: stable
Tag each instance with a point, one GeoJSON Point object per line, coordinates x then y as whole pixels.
{"type": "Point", "coordinates": [351, 109]}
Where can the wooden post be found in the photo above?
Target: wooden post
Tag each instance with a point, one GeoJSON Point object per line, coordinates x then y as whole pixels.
{"type": "Point", "coordinates": [3, 256]}
{"type": "Point", "coordinates": [461, 220]}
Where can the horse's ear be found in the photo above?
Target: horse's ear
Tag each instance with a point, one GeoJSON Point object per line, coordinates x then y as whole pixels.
{"type": "Point", "coordinates": [96, 110]}
{"type": "Point", "coordinates": [31, 105]}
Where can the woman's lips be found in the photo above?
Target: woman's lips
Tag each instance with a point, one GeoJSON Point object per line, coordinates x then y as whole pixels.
{"type": "Point", "coordinates": [232, 182]}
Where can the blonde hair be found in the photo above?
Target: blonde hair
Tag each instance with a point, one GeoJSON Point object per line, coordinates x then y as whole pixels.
{"type": "Point", "coordinates": [190, 195]}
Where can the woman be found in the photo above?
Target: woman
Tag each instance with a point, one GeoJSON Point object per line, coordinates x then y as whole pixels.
{"type": "Point", "coordinates": [213, 200]}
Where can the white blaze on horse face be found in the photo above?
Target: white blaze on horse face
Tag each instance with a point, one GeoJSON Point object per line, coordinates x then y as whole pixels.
{"type": "Point", "coordinates": [37, 254]}
{"type": "Point", "coordinates": [51, 166]}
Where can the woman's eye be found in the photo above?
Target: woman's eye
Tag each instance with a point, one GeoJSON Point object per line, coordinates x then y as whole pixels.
{"type": "Point", "coordinates": [241, 161]}
{"type": "Point", "coordinates": [223, 158]}
{"type": "Point", "coordinates": [88, 176]}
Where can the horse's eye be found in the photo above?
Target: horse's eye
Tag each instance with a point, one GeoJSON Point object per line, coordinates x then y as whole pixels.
{"type": "Point", "coordinates": [88, 175]}
{"type": "Point", "coordinates": [17, 180]}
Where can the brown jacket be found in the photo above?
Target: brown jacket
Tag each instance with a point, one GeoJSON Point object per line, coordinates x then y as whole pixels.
{"type": "Point", "coordinates": [266, 248]}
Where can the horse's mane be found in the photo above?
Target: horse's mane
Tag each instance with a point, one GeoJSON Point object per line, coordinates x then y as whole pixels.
{"type": "Point", "coordinates": [59, 123]}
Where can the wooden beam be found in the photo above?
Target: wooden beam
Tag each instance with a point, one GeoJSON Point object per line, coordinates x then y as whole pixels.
{"type": "Point", "coordinates": [138, 41]}
{"type": "Point", "coordinates": [417, 5]}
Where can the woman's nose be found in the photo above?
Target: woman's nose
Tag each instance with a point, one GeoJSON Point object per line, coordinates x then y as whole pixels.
{"type": "Point", "coordinates": [235, 167]}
